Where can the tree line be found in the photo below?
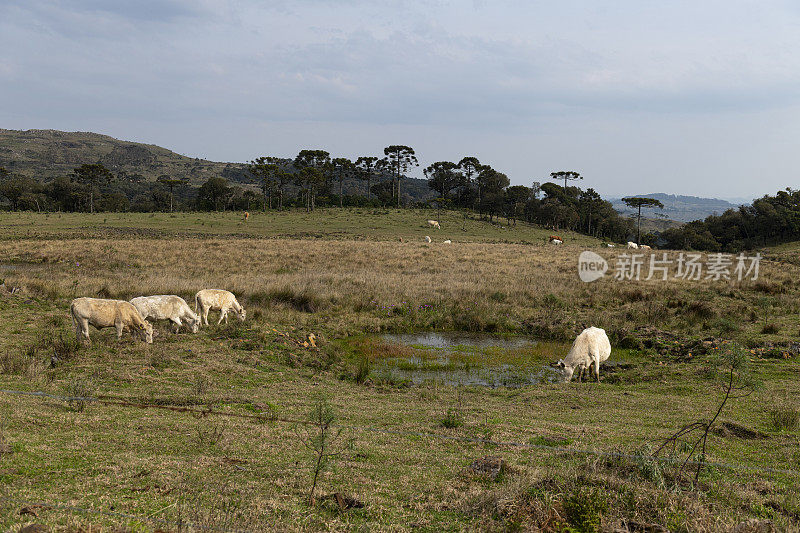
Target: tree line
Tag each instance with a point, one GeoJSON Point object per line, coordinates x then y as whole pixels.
{"type": "Point", "coordinates": [768, 220]}
{"type": "Point", "coordinates": [315, 178]}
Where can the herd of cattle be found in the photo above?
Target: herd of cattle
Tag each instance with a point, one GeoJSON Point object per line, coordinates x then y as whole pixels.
{"type": "Point", "coordinates": [132, 316]}
{"type": "Point", "coordinates": [590, 348]}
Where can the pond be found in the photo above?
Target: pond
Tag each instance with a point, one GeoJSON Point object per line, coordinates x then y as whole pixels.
{"type": "Point", "coordinates": [457, 358]}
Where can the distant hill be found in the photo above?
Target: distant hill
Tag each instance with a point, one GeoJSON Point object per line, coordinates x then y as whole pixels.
{"type": "Point", "coordinates": [47, 154]}
{"type": "Point", "coordinates": [679, 208]}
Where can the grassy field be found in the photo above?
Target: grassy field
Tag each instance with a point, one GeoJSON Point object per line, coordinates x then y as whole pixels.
{"type": "Point", "coordinates": [345, 276]}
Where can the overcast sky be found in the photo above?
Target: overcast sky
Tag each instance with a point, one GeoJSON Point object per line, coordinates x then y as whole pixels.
{"type": "Point", "coordinates": [686, 97]}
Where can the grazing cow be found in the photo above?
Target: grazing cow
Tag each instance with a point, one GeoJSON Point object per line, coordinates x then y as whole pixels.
{"type": "Point", "coordinates": [609, 245]}
{"type": "Point", "coordinates": [633, 245]}
{"type": "Point", "coordinates": [448, 241]}
{"type": "Point", "coordinates": [434, 224]}
{"type": "Point", "coordinates": [590, 348]}
{"type": "Point", "coordinates": [644, 247]}
{"type": "Point", "coordinates": [167, 307]}
{"type": "Point", "coordinates": [246, 215]}
{"type": "Point", "coordinates": [217, 300]}
{"type": "Point", "coordinates": [556, 241]}
{"type": "Point", "coordinates": [427, 238]}
{"type": "Point", "coordinates": [555, 238]}
{"type": "Point", "coordinates": [102, 313]}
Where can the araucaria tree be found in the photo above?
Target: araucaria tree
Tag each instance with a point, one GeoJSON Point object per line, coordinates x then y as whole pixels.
{"type": "Point", "coordinates": [442, 178]}
{"type": "Point", "coordinates": [172, 183]}
{"type": "Point", "coordinates": [92, 176]}
{"type": "Point", "coordinates": [317, 161]}
{"type": "Point", "coordinates": [266, 171]}
{"type": "Point", "coordinates": [343, 168]}
{"type": "Point", "coordinates": [366, 166]}
{"type": "Point", "coordinates": [638, 203]}
{"type": "Point", "coordinates": [398, 159]}
{"type": "Point", "coordinates": [566, 175]}
{"type": "Point", "coordinates": [470, 166]}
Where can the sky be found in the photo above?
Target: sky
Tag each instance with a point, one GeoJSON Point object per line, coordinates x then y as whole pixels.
{"type": "Point", "coordinates": [684, 97]}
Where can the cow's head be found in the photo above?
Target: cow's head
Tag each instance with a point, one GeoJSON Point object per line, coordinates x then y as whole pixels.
{"type": "Point", "coordinates": [194, 324]}
{"type": "Point", "coordinates": [241, 313]}
{"type": "Point", "coordinates": [147, 332]}
{"type": "Point", "coordinates": [565, 371]}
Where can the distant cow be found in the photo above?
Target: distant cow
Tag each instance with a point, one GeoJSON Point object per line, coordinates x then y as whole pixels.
{"type": "Point", "coordinates": [427, 238]}
{"type": "Point", "coordinates": [246, 215]}
{"type": "Point", "coordinates": [102, 313]}
{"type": "Point", "coordinates": [217, 300]}
{"type": "Point", "coordinates": [556, 241]}
{"type": "Point", "coordinates": [167, 307]}
{"type": "Point", "coordinates": [644, 247]}
{"type": "Point", "coordinates": [448, 241]}
{"type": "Point", "coordinates": [609, 245]}
{"type": "Point", "coordinates": [434, 224]}
{"type": "Point", "coordinates": [633, 245]}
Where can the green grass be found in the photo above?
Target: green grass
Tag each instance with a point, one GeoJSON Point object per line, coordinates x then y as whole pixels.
{"type": "Point", "coordinates": [330, 223]}
{"type": "Point", "coordinates": [244, 473]}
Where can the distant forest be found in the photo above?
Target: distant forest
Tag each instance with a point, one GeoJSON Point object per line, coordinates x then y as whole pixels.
{"type": "Point", "coordinates": [45, 170]}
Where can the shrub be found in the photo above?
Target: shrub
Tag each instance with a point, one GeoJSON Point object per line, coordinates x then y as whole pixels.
{"type": "Point", "coordinates": [784, 418]}
{"type": "Point", "coordinates": [363, 369]}
{"type": "Point", "coordinates": [584, 509]}
{"type": "Point", "coordinates": [452, 419]}
{"type": "Point", "coordinates": [78, 391]}
{"type": "Point", "coordinates": [770, 328]}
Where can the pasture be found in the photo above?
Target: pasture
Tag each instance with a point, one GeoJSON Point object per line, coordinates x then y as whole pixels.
{"type": "Point", "coordinates": [403, 449]}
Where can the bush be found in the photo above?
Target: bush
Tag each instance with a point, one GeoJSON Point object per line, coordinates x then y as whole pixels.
{"type": "Point", "coordinates": [584, 509]}
{"type": "Point", "coordinates": [784, 418]}
{"type": "Point", "coordinates": [363, 369]}
{"type": "Point", "coordinates": [452, 419]}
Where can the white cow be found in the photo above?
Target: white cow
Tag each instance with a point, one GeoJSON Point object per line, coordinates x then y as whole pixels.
{"type": "Point", "coordinates": [434, 224]}
{"type": "Point", "coordinates": [644, 247]}
{"type": "Point", "coordinates": [167, 307]}
{"type": "Point", "coordinates": [427, 238]}
{"type": "Point", "coordinates": [448, 241]}
{"type": "Point", "coordinates": [633, 245]}
{"type": "Point", "coordinates": [102, 313]}
{"type": "Point", "coordinates": [609, 245]}
{"type": "Point", "coordinates": [590, 348]}
{"type": "Point", "coordinates": [557, 241]}
{"type": "Point", "coordinates": [217, 300]}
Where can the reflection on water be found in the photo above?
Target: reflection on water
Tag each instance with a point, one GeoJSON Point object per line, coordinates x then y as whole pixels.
{"type": "Point", "coordinates": [457, 358]}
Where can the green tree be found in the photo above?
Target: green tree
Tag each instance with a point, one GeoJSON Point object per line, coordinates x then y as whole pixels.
{"type": "Point", "coordinates": [638, 203]}
{"type": "Point", "coordinates": [366, 166]}
{"type": "Point", "coordinates": [493, 184]}
{"type": "Point", "coordinates": [343, 168]}
{"type": "Point", "coordinates": [398, 159]}
{"type": "Point", "coordinates": [442, 178]}
{"type": "Point", "coordinates": [92, 176]}
{"type": "Point", "coordinates": [214, 194]}
{"type": "Point", "coordinates": [266, 169]}
{"type": "Point", "coordinates": [172, 183]}
{"type": "Point", "coordinates": [566, 175]}
{"type": "Point", "coordinates": [516, 197]}
{"type": "Point", "coordinates": [470, 166]}
{"type": "Point", "coordinates": [311, 180]}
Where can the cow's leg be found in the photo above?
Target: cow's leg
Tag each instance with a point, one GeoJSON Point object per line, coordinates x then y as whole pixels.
{"type": "Point", "coordinates": [597, 368]}
{"type": "Point", "coordinates": [120, 328]}
{"type": "Point", "coordinates": [223, 313]}
{"type": "Point", "coordinates": [177, 322]}
{"type": "Point", "coordinates": [83, 328]}
{"type": "Point", "coordinates": [203, 314]}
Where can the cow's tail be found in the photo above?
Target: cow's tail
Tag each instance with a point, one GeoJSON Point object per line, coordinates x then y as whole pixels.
{"type": "Point", "coordinates": [195, 303]}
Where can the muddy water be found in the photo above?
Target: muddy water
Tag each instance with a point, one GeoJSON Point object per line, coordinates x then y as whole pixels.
{"type": "Point", "coordinates": [465, 359]}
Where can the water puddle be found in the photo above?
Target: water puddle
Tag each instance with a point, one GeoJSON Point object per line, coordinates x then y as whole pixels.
{"type": "Point", "coordinates": [466, 359]}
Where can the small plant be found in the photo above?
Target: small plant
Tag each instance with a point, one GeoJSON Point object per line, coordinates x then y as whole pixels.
{"type": "Point", "coordinates": [200, 384]}
{"type": "Point", "coordinates": [452, 419]}
{"type": "Point", "coordinates": [784, 418]}
{"type": "Point", "coordinates": [770, 328]}
{"type": "Point", "coordinates": [210, 435]}
{"type": "Point", "coordinates": [320, 439]}
{"type": "Point", "coordinates": [363, 369]}
{"type": "Point", "coordinates": [584, 509]}
{"type": "Point", "coordinates": [78, 392]}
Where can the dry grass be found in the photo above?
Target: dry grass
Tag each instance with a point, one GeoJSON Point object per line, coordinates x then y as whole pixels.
{"type": "Point", "coordinates": [246, 473]}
